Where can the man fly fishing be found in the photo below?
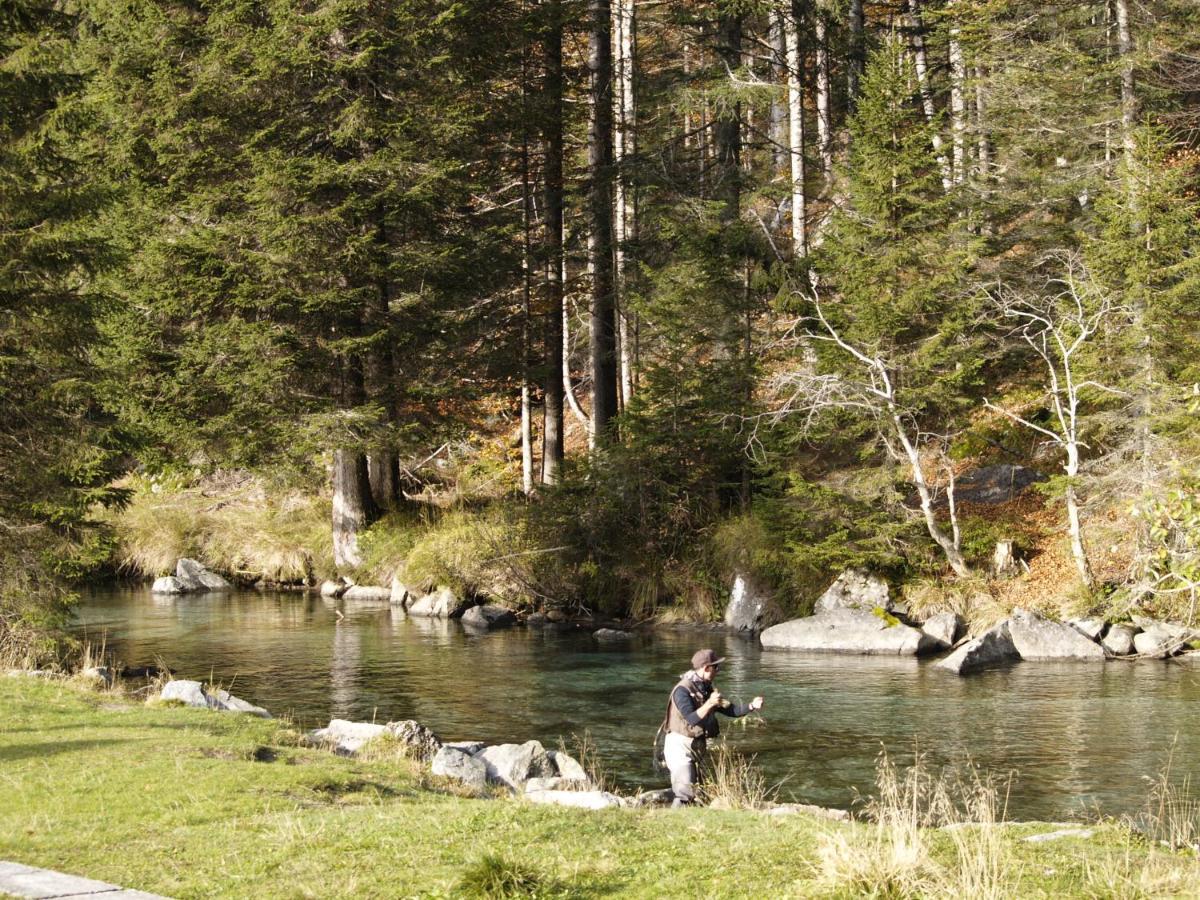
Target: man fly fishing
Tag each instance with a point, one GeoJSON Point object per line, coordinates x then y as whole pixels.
{"type": "Point", "coordinates": [691, 720]}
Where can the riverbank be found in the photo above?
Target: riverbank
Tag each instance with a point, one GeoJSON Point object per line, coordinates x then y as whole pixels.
{"type": "Point", "coordinates": [188, 803]}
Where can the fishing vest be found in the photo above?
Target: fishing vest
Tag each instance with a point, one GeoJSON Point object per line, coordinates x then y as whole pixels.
{"type": "Point", "coordinates": [676, 723]}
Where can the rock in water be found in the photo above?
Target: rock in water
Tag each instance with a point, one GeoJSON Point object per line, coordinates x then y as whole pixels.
{"type": "Point", "coordinates": [1119, 640]}
{"type": "Point", "coordinates": [751, 608]}
{"type": "Point", "coordinates": [1036, 637]}
{"type": "Point", "coordinates": [198, 578]}
{"type": "Point", "coordinates": [991, 647]}
{"type": "Point", "coordinates": [489, 615]}
{"type": "Point", "coordinates": [944, 628]}
{"type": "Point", "coordinates": [441, 604]}
{"type": "Point", "coordinates": [855, 589]}
{"type": "Point", "coordinates": [849, 631]}
{"type": "Point", "coordinates": [168, 584]}
{"type": "Point", "coordinates": [365, 593]}
{"type": "Point", "coordinates": [611, 634]}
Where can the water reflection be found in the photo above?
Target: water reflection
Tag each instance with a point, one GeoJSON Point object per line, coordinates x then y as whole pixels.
{"type": "Point", "coordinates": [1077, 737]}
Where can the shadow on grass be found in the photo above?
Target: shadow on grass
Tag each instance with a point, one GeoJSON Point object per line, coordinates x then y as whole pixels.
{"type": "Point", "coordinates": [15, 752]}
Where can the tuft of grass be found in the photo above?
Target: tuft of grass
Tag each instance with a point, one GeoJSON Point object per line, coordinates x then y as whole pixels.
{"type": "Point", "coordinates": [585, 752]}
{"type": "Point", "coordinates": [733, 781]}
{"type": "Point", "coordinates": [1171, 817]}
{"type": "Point", "coordinates": [495, 878]}
{"type": "Point", "coordinates": [973, 598]}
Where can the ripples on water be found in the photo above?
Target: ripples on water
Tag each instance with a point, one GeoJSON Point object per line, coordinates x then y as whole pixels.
{"type": "Point", "coordinates": [1078, 737]}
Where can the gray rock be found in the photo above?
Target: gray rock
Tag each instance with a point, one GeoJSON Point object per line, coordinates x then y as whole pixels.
{"type": "Point", "coordinates": [226, 702]}
{"type": "Point", "coordinates": [577, 799]}
{"type": "Point", "coordinates": [452, 763]}
{"type": "Point", "coordinates": [368, 594]}
{"type": "Point", "coordinates": [1045, 837]}
{"type": "Point", "coordinates": [168, 584]}
{"type": "Point", "coordinates": [1036, 637]}
{"type": "Point", "coordinates": [199, 578]}
{"type": "Point", "coordinates": [1154, 644]}
{"type": "Point", "coordinates": [994, 484]}
{"type": "Point", "coordinates": [556, 783]}
{"type": "Point", "coordinates": [848, 631]}
{"type": "Point", "coordinates": [334, 589]}
{"type": "Point", "coordinates": [751, 607]}
{"type": "Point", "coordinates": [1168, 632]}
{"type": "Point", "coordinates": [400, 595]}
{"type": "Point", "coordinates": [1119, 640]}
{"type": "Point", "coordinates": [441, 604]}
{"type": "Point", "coordinates": [422, 743]}
{"type": "Point", "coordinates": [345, 737]}
{"type": "Point", "coordinates": [807, 809]}
{"type": "Point", "coordinates": [190, 693]}
{"type": "Point", "coordinates": [566, 766]}
{"type": "Point", "coordinates": [488, 615]}
{"type": "Point", "coordinates": [992, 647]}
{"type": "Point", "coordinates": [1091, 629]}
{"type": "Point", "coordinates": [854, 589]}
{"type": "Point", "coordinates": [537, 619]}
{"type": "Point", "coordinates": [468, 747]}
{"type": "Point", "coordinates": [611, 634]}
{"type": "Point", "coordinates": [514, 764]}
{"type": "Point", "coordinates": [99, 674]}
{"type": "Point", "coordinates": [945, 628]}
{"type": "Point", "coordinates": [661, 797]}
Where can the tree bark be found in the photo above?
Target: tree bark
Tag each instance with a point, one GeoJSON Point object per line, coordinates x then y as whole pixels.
{"type": "Point", "coordinates": [383, 468]}
{"type": "Point", "coordinates": [949, 546]}
{"type": "Point", "coordinates": [958, 100]}
{"type": "Point", "coordinates": [624, 212]}
{"type": "Point", "coordinates": [779, 108]}
{"type": "Point", "coordinates": [791, 32]}
{"type": "Point", "coordinates": [921, 63]}
{"type": "Point", "coordinates": [824, 100]}
{"type": "Point", "coordinates": [600, 232]}
{"type": "Point", "coordinates": [526, 290]}
{"type": "Point", "coordinates": [1074, 525]}
{"type": "Point", "coordinates": [857, 59]}
{"type": "Point", "coordinates": [352, 506]}
{"type": "Point", "coordinates": [728, 131]}
{"type": "Point", "coordinates": [553, 425]}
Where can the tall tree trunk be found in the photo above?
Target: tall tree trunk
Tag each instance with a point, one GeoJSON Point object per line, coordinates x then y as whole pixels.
{"type": "Point", "coordinates": [600, 232]}
{"type": "Point", "coordinates": [728, 130]}
{"type": "Point", "coordinates": [526, 289]}
{"type": "Point", "coordinates": [791, 33]}
{"type": "Point", "coordinates": [553, 426]}
{"type": "Point", "coordinates": [983, 139]}
{"type": "Point", "coordinates": [353, 506]}
{"type": "Point", "coordinates": [916, 27]}
{"type": "Point", "coordinates": [824, 100]}
{"type": "Point", "coordinates": [1074, 525]}
{"type": "Point", "coordinates": [779, 108]}
{"type": "Point", "coordinates": [624, 212]}
{"type": "Point", "coordinates": [958, 99]}
{"type": "Point", "coordinates": [383, 468]}
{"type": "Point", "coordinates": [857, 56]}
{"type": "Point", "coordinates": [948, 543]}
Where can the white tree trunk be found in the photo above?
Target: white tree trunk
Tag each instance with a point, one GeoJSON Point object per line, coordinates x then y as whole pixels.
{"type": "Point", "coordinates": [1074, 525]}
{"type": "Point", "coordinates": [791, 37]}
{"type": "Point", "coordinates": [921, 64]}
{"type": "Point", "coordinates": [824, 111]}
{"type": "Point", "coordinates": [624, 116]}
{"type": "Point", "coordinates": [958, 102]}
{"type": "Point", "coordinates": [950, 546]}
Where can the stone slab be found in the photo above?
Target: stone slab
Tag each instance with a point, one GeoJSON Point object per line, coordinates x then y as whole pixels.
{"type": "Point", "coordinates": [42, 884]}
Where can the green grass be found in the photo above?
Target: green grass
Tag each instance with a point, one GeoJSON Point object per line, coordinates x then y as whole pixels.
{"type": "Point", "coordinates": [190, 803]}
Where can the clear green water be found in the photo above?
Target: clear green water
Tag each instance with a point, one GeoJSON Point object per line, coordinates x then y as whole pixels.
{"type": "Point", "coordinates": [1077, 738]}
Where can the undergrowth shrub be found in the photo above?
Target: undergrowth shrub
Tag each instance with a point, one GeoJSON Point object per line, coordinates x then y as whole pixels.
{"type": "Point", "coordinates": [495, 878]}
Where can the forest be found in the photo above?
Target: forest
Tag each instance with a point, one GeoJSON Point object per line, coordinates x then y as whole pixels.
{"type": "Point", "coordinates": [591, 306]}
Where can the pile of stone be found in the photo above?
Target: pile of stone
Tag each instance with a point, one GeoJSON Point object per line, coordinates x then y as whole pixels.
{"type": "Point", "coordinates": [193, 693]}
{"type": "Point", "coordinates": [190, 577]}
{"type": "Point", "coordinates": [856, 615]}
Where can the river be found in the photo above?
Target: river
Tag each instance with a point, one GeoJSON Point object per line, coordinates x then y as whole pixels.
{"type": "Point", "coordinates": [1076, 739]}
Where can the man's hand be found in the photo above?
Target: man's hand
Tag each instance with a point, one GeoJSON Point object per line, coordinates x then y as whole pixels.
{"type": "Point", "coordinates": [756, 704]}
{"type": "Point", "coordinates": [714, 700]}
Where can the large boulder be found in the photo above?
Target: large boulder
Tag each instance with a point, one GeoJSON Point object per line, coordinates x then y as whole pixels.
{"type": "Point", "coordinates": [992, 647]}
{"type": "Point", "coordinates": [168, 584]}
{"type": "Point", "coordinates": [1089, 628]}
{"type": "Point", "coordinates": [849, 631]}
{"type": "Point", "coordinates": [944, 627]}
{"type": "Point", "coordinates": [488, 615]}
{"type": "Point", "coordinates": [1036, 637]}
{"type": "Point", "coordinates": [567, 767]}
{"type": "Point", "coordinates": [514, 764]}
{"type": "Point", "coordinates": [344, 737]}
{"type": "Point", "coordinates": [198, 578]}
{"type": "Point", "coordinates": [192, 693]}
{"type": "Point", "coordinates": [855, 589]}
{"type": "Point", "coordinates": [452, 763]}
{"type": "Point", "coordinates": [441, 604]}
{"type": "Point", "coordinates": [400, 593]}
{"type": "Point", "coordinates": [751, 607]}
{"type": "Point", "coordinates": [421, 742]}
{"type": "Point", "coordinates": [1155, 643]}
{"type": "Point", "coordinates": [577, 799]}
{"type": "Point", "coordinates": [1119, 640]}
{"type": "Point", "coordinates": [334, 589]}
{"type": "Point", "coordinates": [368, 593]}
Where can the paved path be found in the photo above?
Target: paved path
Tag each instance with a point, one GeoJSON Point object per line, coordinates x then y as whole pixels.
{"type": "Point", "coordinates": [27, 881]}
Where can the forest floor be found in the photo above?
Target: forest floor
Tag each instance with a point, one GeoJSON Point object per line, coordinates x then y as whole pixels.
{"type": "Point", "coordinates": [190, 803]}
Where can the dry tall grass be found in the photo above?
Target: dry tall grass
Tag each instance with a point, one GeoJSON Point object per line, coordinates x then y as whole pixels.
{"type": "Point", "coordinates": [896, 854]}
{"type": "Point", "coordinates": [733, 781]}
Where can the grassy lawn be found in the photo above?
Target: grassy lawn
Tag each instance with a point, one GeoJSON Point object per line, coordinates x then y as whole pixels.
{"type": "Point", "coordinates": [190, 803]}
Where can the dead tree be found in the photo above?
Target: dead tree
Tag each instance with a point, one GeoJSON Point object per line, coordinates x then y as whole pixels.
{"type": "Point", "coordinates": [1058, 324]}
{"type": "Point", "coordinates": [869, 388]}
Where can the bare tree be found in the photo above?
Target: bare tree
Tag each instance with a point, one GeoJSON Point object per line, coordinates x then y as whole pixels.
{"type": "Point", "coordinates": [1058, 324]}
{"type": "Point", "coordinates": [868, 388]}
